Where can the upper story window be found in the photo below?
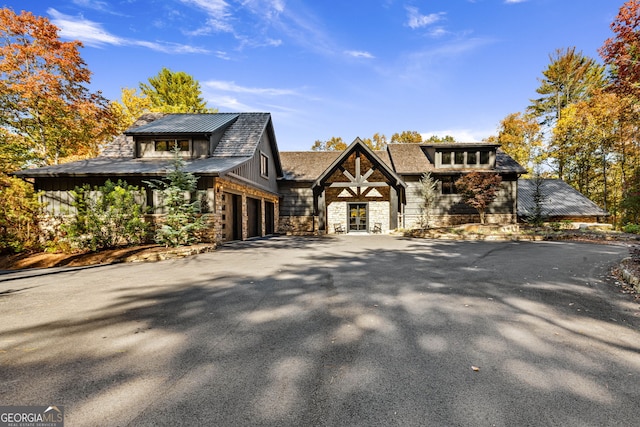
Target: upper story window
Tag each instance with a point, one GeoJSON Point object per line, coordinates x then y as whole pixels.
{"type": "Point", "coordinates": [462, 158]}
{"type": "Point", "coordinates": [458, 158]}
{"type": "Point", "coordinates": [264, 165]}
{"type": "Point", "coordinates": [170, 144]}
{"type": "Point", "coordinates": [484, 157]}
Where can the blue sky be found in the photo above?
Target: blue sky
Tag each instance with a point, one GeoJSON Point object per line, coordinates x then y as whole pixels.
{"type": "Point", "coordinates": [343, 68]}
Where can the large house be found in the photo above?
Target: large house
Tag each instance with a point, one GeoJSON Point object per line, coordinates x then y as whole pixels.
{"type": "Point", "coordinates": [251, 189]}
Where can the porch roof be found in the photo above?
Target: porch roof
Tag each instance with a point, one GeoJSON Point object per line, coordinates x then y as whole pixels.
{"type": "Point", "coordinates": [126, 167]}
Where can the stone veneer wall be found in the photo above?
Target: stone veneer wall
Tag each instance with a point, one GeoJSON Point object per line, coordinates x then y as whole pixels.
{"type": "Point", "coordinates": [298, 225]}
{"type": "Point", "coordinates": [336, 214]}
{"type": "Point", "coordinates": [378, 212]}
{"type": "Point", "coordinates": [223, 185]}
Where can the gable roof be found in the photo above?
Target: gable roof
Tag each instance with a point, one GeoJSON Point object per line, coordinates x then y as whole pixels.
{"type": "Point", "coordinates": [560, 199]}
{"type": "Point", "coordinates": [308, 165]}
{"type": "Point", "coordinates": [239, 143]}
{"type": "Point", "coordinates": [358, 145]}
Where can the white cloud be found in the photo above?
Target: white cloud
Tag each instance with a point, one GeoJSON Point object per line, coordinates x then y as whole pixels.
{"type": "Point", "coordinates": [460, 135]}
{"type": "Point", "coordinates": [418, 20]}
{"type": "Point", "coordinates": [227, 86]}
{"type": "Point", "coordinates": [92, 34]}
{"type": "Point", "coordinates": [438, 32]}
{"type": "Point", "coordinates": [359, 54]}
{"type": "Point", "coordinates": [514, 1]}
{"type": "Point", "coordinates": [77, 28]}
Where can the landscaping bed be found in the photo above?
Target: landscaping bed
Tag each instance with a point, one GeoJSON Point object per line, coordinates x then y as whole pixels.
{"type": "Point", "coordinates": [108, 256]}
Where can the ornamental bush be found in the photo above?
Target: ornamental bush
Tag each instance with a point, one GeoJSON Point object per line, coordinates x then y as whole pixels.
{"type": "Point", "coordinates": [107, 216]}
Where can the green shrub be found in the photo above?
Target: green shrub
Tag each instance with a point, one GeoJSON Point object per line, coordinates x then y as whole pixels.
{"type": "Point", "coordinates": [183, 221]}
{"type": "Point", "coordinates": [631, 228]}
{"type": "Point", "coordinates": [106, 217]}
{"type": "Point", "coordinates": [20, 214]}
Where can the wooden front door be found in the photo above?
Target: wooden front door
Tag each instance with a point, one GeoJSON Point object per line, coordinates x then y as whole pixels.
{"type": "Point", "coordinates": [357, 217]}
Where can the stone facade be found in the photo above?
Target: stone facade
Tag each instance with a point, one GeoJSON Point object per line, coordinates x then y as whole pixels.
{"type": "Point", "coordinates": [224, 186]}
{"type": "Point", "coordinates": [336, 215]}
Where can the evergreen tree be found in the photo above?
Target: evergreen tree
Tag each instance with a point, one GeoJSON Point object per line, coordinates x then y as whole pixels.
{"type": "Point", "coordinates": [182, 222]}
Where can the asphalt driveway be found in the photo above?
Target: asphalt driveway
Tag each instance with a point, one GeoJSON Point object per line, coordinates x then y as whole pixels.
{"type": "Point", "coordinates": [348, 331]}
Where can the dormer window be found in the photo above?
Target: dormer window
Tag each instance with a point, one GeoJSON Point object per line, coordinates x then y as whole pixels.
{"type": "Point", "coordinates": [484, 157]}
{"type": "Point", "coordinates": [470, 157]}
{"type": "Point", "coordinates": [446, 157]}
{"type": "Point", "coordinates": [169, 144]}
{"type": "Point", "coordinates": [459, 158]}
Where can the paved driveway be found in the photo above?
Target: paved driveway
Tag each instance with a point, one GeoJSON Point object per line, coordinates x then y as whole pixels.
{"type": "Point", "coordinates": [370, 330]}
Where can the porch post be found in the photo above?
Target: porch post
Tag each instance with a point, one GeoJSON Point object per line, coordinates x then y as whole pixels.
{"type": "Point", "coordinates": [393, 208]}
{"type": "Point", "coordinates": [322, 211]}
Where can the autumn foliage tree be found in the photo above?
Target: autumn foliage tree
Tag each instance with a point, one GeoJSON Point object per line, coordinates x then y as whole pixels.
{"type": "Point", "coordinates": [520, 137]}
{"type": "Point", "coordinates": [622, 52]}
{"type": "Point", "coordinates": [407, 136]}
{"type": "Point", "coordinates": [166, 92]}
{"type": "Point", "coordinates": [46, 111]}
{"type": "Point", "coordinates": [478, 190]}
{"type": "Point", "coordinates": [332, 144]}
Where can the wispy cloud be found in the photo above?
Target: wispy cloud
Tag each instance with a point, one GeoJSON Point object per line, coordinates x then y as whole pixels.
{"type": "Point", "coordinates": [218, 16]}
{"type": "Point", "coordinates": [230, 86]}
{"type": "Point", "coordinates": [92, 34]}
{"type": "Point", "coordinates": [359, 54]}
{"type": "Point", "coordinates": [234, 97]}
{"type": "Point", "coordinates": [514, 1]}
{"type": "Point", "coordinates": [417, 20]}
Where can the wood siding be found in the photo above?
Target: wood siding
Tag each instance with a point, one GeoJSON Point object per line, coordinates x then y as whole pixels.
{"type": "Point", "coordinates": [452, 204]}
{"type": "Point", "coordinates": [296, 198]}
{"type": "Point", "coordinates": [250, 171]}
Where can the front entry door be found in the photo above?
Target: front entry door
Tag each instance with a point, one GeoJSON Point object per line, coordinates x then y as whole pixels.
{"type": "Point", "coordinates": [357, 217]}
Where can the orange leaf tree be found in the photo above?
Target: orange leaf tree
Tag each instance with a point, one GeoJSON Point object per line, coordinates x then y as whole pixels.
{"type": "Point", "coordinates": [46, 109]}
{"type": "Point", "coordinates": [622, 52]}
{"type": "Point", "coordinates": [478, 190]}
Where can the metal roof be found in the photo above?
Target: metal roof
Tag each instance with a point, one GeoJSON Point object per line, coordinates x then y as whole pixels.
{"type": "Point", "coordinates": [184, 123]}
{"type": "Point", "coordinates": [121, 166]}
{"type": "Point", "coordinates": [560, 200]}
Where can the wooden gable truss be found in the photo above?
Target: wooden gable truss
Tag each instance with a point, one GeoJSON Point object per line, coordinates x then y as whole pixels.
{"type": "Point", "coordinates": [357, 175]}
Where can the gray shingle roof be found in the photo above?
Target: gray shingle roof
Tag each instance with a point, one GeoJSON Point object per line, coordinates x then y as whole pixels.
{"type": "Point", "coordinates": [561, 200]}
{"type": "Point", "coordinates": [309, 165]}
{"type": "Point", "coordinates": [243, 136]}
{"type": "Point", "coordinates": [121, 145]}
{"type": "Point", "coordinates": [506, 163]}
{"type": "Point", "coordinates": [409, 159]}
{"type": "Point", "coordinates": [183, 123]}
